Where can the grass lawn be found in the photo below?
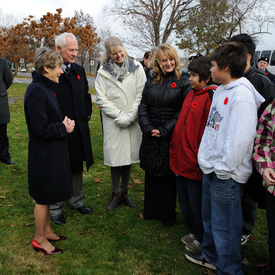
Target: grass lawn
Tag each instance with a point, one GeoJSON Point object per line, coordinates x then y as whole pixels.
{"type": "Point", "coordinates": [116, 242]}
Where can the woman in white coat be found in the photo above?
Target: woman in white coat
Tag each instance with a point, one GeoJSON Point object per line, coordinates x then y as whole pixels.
{"type": "Point", "coordinates": [119, 85]}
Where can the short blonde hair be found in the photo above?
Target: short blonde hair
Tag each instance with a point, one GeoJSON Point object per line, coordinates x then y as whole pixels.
{"type": "Point", "coordinates": [171, 52]}
{"type": "Point", "coordinates": [45, 57]}
{"type": "Point", "coordinates": [111, 44]}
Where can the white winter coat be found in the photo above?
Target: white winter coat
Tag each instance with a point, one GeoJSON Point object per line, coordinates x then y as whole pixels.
{"type": "Point", "coordinates": [227, 143]}
{"type": "Point", "coordinates": [121, 145]}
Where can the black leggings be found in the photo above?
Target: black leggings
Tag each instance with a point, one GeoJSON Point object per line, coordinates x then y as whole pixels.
{"type": "Point", "coordinates": [124, 172]}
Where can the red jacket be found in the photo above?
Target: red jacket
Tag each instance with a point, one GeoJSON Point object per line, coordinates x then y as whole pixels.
{"type": "Point", "coordinates": [188, 132]}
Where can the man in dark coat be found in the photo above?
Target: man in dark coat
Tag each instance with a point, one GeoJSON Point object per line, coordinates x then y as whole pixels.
{"type": "Point", "coordinates": [262, 65]}
{"type": "Point", "coordinates": [5, 82]}
{"type": "Point", "coordinates": [75, 102]}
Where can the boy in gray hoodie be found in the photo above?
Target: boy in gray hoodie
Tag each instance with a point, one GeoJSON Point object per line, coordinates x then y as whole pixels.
{"type": "Point", "coordinates": [225, 157]}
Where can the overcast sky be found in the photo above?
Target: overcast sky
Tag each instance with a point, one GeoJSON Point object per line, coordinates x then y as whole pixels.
{"type": "Point", "coordinates": [20, 9]}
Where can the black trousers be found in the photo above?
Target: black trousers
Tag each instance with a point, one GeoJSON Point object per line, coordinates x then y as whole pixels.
{"type": "Point", "coordinates": [160, 198]}
{"type": "Point", "coordinates": [4, 143]}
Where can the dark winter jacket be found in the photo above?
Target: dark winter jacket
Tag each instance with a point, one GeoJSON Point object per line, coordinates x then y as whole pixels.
{"type": "Point", "coordinates": [75, 102]}
{"type": "Point", "coordinates": [159, 109]}
{"type": "Point", "coordinates": [188, 132]}
{"type": "Point", "coordinates": [262, 84]}
{"type": "Point", "coordinates": [49, 173]}
{"type": "Point", "coordinates": [267, 89]}
{"type": "Point", "coordinates": [5, 82]}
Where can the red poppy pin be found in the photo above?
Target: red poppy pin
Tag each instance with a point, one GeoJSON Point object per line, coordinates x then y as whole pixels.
{"type": "Point", "coordinates": [78, 76]}
{"type": "Point", "coordinates": [54, 94]}
{"type": "Point", "coordinates": [225, 101]}
{"type": "Point", "coordinates": [195, 105]}
{"type": "Point", "coordinates": [266, 73]}
{"type": "Point", "coordinates": [173, 85]}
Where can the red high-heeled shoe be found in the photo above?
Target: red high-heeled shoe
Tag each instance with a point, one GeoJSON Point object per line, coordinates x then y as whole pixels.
{"type": "Point", "coordinates": [60, 238]}
{"type": "Point", "coordinates": [37, 247]}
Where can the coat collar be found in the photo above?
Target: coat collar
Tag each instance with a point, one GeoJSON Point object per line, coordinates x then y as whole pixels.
{"type": "Point", "coordinates": [39, 78]}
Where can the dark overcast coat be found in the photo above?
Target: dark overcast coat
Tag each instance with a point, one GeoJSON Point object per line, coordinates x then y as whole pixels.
{"type": "Point", "coordinates": [49, 173]}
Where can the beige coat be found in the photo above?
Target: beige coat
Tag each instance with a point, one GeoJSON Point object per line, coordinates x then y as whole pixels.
{"type": "Point", "coordinates": [121, 145]}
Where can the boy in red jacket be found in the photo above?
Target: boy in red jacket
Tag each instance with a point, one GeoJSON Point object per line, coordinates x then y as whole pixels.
{"type": "Point", "coordinates": [184, 148]}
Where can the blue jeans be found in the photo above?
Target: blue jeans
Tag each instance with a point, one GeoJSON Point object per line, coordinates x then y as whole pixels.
{"type": "Point", "coordinates": [222, 221]}
{"type": "Point", "coordinates": [189, 198]}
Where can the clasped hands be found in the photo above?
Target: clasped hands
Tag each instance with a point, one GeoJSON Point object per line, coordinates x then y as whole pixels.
{"type": "Point", "coordinates": [124, 120]}
{"type": "Point", "coordinates": [69, 124]}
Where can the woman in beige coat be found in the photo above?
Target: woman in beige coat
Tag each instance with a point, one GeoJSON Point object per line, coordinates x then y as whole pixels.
{"type": "Point", "coordinates": [119, 85]}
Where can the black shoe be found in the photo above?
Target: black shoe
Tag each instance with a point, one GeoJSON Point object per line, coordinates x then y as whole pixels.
{"type": "Point", "coordinates": [8, 161]}
{"type": "Point", "coordinates": [83, 210]}
{"type": "Point", "coordinates": [199, 259]}
{"type": "Point", "coordinates": [59, 219]}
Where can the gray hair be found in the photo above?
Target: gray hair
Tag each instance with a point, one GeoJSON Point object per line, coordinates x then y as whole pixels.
{"type": "Point", "coordinates": [60, 40]}
{"type": "Point", "coordinates": [45, 57]}
{"type": "Point", "coordinates": [110, 44]}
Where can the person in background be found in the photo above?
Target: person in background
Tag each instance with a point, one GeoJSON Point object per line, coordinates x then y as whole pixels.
{"type": "Point", "coordinates": [146, 58]}
{"type": "Point", "coordinates": [262, 65]}
{"type": "Point", "coordinates": [5, 82]}
{"type": "Point", "coordinates": [151, 61]}
{"type": "Point", "coordinates": [225, 159]}
{"type": "Point", "coordinates": [264, 160]}
{"type": "Point", "coordinates": [184, 148]}
{"type": "Point", "coordinates": [119, 84]}
{"type": "Point", "coordinates": [158, 112]}
{"type": "Point", "coordinates": [253, 191]}
{"type": "Point", "coordinates": [49, 174]}
{"type": "Point", "coordinates": [74, 99]}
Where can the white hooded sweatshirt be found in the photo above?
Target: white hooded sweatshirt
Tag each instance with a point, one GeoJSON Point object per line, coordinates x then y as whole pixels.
{"type": "Point", "coordinates": [228, 139]}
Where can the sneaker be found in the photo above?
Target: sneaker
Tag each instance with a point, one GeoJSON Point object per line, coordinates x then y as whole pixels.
{"type": "Point", "coordinates": [188, 238]}
{"type": "Point", "coordinates": [244, 239]}
{"type": "Point", "coordinates": [199, 259]}
{"type": "Point", "coordinates": [194, 246]}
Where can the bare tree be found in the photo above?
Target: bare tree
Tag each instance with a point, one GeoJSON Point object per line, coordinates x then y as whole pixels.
{"type": "Point", "coordinates": [150, 22]}
{"type": "Point", "coordinates": [213, 22]}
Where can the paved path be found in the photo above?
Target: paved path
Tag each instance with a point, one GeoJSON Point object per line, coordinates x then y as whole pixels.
{"type": "Point", "coordinates": [27, 80]}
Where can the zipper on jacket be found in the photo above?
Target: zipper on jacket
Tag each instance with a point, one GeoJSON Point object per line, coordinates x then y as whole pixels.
{"type": "Point", "coordinates": [188, 111]}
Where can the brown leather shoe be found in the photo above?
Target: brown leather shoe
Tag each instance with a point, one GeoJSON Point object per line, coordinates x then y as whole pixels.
{"type": "Point", "coordinates": [115, 202]}
{"type": "Point", "coordinates": [126, 200]}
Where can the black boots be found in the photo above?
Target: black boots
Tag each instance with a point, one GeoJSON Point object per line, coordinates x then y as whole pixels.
{"type": "Point", "coordinates": [116, 201]}
{"type": "Point", "coordinates": [126, 200]}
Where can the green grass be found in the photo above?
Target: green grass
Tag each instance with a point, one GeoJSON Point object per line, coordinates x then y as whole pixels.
{"type": "Point", "coordinates": [116, 242]}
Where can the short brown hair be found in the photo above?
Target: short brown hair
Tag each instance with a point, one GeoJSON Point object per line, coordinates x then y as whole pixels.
{"type": "Point", "coordinates": [45, 57]}
{"type": "Point", "coordinates": [233, 55]}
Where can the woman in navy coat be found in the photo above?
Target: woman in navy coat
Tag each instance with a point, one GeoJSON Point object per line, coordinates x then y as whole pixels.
{"type": "Point", "coordinates": [49, 174]}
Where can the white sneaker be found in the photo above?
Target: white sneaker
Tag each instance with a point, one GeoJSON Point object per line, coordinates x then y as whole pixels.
{"type": "Point", "coordinates": [194, 246]}
{"type": "Point", "coordinates": [244, 239]}
{"type": "Point", "coordinates": [188, 238]}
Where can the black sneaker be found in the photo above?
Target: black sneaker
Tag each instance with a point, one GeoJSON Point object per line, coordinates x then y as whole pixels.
{"type": "Point", "coordinates": [199, 259]}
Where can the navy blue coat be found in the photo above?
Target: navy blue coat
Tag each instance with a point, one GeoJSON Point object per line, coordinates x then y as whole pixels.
{"type": "Point", "coordinates": [49, 173]}
{"type": "Point", "coordinates": [75, 102]}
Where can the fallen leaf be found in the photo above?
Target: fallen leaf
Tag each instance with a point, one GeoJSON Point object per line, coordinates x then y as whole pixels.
{"type": "Point", "coordinates": [137, 181]}
{"type": "Point", "coordinates": [1, 187]}
{"type": "Point", "coordinates": [29, 224]}
{"type": "Point", "coordinates": [10, 205]}
{"type": "Point", "coordinates": [140, 215]}
{"type": "Point", "coordinates": [97, 180]}
{"type": "Point", "coordinates": [123, 233]}
{"type": "Point", "coordinates": [245, 262]}
{"type": "Point", "coordinates": [2, 197]}
{"type": "Point", "coordinates": [142, 198]}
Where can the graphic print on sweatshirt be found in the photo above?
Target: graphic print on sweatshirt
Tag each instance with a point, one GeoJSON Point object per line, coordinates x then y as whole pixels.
{"type": "Point", "coordinates": [214, 119]}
